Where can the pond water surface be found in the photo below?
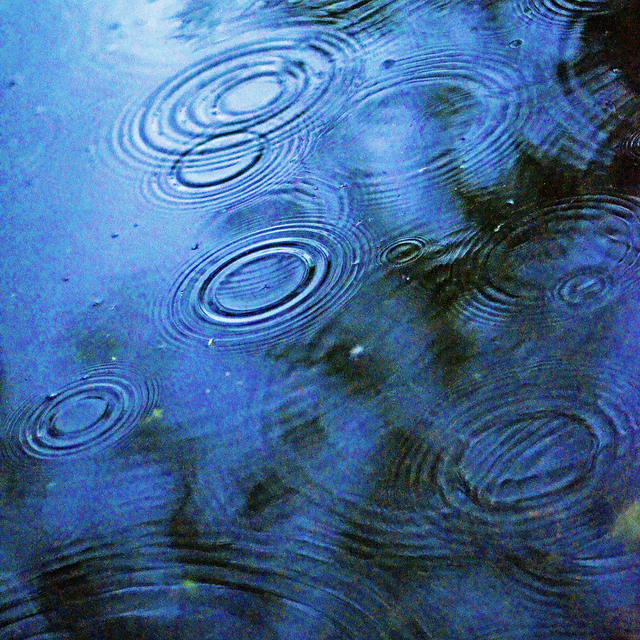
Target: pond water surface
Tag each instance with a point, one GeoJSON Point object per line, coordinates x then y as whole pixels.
{"type": "Point", "coordinates": [320, 319]}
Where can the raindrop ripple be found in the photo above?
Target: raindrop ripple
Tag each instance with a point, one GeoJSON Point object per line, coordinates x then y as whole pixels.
{"type": "Point", "coordinates": [526, 455]}
{"type": "Point", "coordinates": [631, 145]}
{"type": "Point", "coordinates": [239, 115]}
{"type": "Point", "coordinates": [224, 171]}
{"type": "Point", "coordinates": [86, 416]}
{"type": "Point", "coordinates": [558, 11]}
{"type": "Point", "coordinates": [574, 118]}
{"type": "Point", "coordinates": [573, 257]}
{"type": "Point", "coordinates": [478, 102]}
{"type": "Point", "coordinates": [271, 285]}
{"type": "Point", "coordinates": [404, 251]}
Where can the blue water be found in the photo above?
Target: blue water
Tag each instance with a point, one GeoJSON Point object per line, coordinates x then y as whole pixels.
{"type": "Point", "coordinates": [320, 319]}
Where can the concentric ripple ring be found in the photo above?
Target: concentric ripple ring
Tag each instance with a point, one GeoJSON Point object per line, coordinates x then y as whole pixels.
{"type": "Point", "coordinates": [572, 257]}
{"type": "Point", "coordinates": [86, 416]}
{"type": "Point", "coordinates": [277, 88]}
{"type": "Point", "coordinates": [527, 454]}
{"type": "Point", "coordinates": [267, 286]}
{"type": "Point", "coordinates": [403, 251]}
{"type": "Point", "coordinates": [236, 124]}
{"type": "Point", "coordinates": [473, 104]}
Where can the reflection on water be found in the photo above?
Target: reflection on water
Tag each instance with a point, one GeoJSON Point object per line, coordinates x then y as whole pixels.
{"type": "Point", "coordinates": [320, 319]}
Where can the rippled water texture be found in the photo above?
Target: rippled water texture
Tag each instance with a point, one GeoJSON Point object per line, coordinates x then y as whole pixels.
{"type": "Point", "coordinates": [320, 320]}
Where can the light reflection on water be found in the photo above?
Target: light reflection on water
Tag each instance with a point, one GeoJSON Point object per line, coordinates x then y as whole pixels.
{"type": "Point", "coordinates": [319, 319]}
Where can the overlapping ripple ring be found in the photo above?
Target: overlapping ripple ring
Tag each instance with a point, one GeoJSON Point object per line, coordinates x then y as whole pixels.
{"type": "Point", "coordinates": [291, 579]}
{"type": "Point", "coordinates": [577, 255]}
{"type": "Point", "coordinates": [575, 119]}
{"type": "Point", "coordinates": [486, 146]}
{"type": "Point", "coordinates": [271, 285]}
{"type": "Point", "coordinates": [528, 454]}
{"type": "Point", "coordinates": [303, 198]}
{"type": "Point", "coordinates": [311, 196]}
{"type": "Point", "coordinates": [279, 87]}
{"type": "Point", "coordinates": [85, 416]}
{"type": "Point", "coordinates": [225, 171]}
{"type": "Point", "coordinates": [369, 18]}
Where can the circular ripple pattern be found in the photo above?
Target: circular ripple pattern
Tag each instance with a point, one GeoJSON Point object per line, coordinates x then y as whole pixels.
{"type": "Point", "coordinates": [239, 112]}
{"type": "Point", "coordinates": [86, 416]}
{"type": "Point", "coordinates": [631, 146]}
{"type": "Point", "coordinates": [225, 171]}
{"type": "Point", "coordinates": [364, 18]}
{"type": "Point", "coordinates": [269, 286]}
{"type": "Point", "coordinates": [471, 107]}
{"type": "Point", "coordinates": [404, 251]}
{"type": "Point", "coordinates": [527, 455]}
{"type": "Point", "coordinates": [586, 289]}
{"type": "Point", "coordinates": [305, 198]}
{"type": "Point", "coordinates": [574, 257]}
{"type": "Point", "coordinates": [289, 585]}
{"type": "Point", "coordinates": [274, 88]}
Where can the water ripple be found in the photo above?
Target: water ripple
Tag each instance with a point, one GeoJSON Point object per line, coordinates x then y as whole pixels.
{"type": "Point", "coordinates": [20, 615]}
{"type": "Point", "coordinates": [275, 87]}
{"type": "Point", "coordinates": [305, 198]}
{"type": "Point", "coordinates": [404, 251]}
{"type": "Point", "coordinates": [572, 257]}
{"type": "Point", "coordinates": [526, 455]}
{"type": "Point", "coordinates": [239, 116]}
{"type": "Point", "coordinates": [607, 573]}
{"type": "Point", "coordinates": [555, 11]}
{"type": "Point", "coordinates": [86, 416]}
{"type": "Point", "coordinates": [224, 171]}
{"type": "Point", "coordinates": [294, 584]}
{"type": "Point", "coordinates": [87, 581]}
{"type": "Point", "coordinates": [631, 145]}
{"type": "Point", "coordinates": [394, 538]}
{"type": "Point", "coordinates": [267, 286]}
{"type": "Point", "coordinates": [574, 117]}
{"type": "Point", "coordinates": [463, 112]}
{"type": "Point", "coordinates": [353, 16]}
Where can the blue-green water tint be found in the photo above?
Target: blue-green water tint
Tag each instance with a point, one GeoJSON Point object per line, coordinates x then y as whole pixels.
{"type": "Point", "coordinates": [320, 319]}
